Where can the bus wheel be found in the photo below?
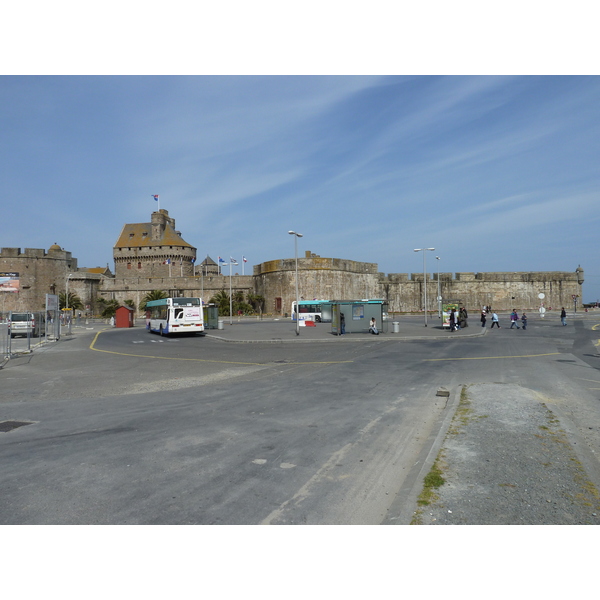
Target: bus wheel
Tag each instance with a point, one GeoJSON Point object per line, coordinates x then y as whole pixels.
{"type": "Point", "coordinates": [317, 319]}
{"type": "Point", "coordinates": [160, 331]}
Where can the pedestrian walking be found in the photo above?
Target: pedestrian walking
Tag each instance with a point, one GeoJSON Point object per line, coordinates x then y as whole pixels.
{"type": "Point", "coordinates": [463, 316]}
{"type": "Point", "coordinates": [495, 321]}
{"type": "Point", "coordinates": [563, 316]}
{"type": "Point", "coordinates": [483, 318]}
{"type": "Point", "coordinates": [514, 319]}
{"type": "Point", "coordinates": [524, 321]}
{"type": "Point", "coordinates": [342, 324]}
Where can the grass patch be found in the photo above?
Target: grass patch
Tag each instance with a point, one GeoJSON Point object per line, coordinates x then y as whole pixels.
{"type": "Point", "coordinates": [463, 414]}
{"type": "Point", "coordinates": [435, 478]}
{"type": "Point", "coordinates": [431, 482]}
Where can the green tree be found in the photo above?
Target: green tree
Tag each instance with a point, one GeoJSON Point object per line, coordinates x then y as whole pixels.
{"type": "Point", "coordinates": [74, 301]}
{"type": "Point", "coordinates": [257, 302]}
{"type": "Point", "coordinates": [130, 303]}
{"type": "Point", "coordinates": [153, 295]}
{"type": "Point", "coordinates": [109, 307]}
{"type": "Point", "coordinates": [221, 300]}
{"type": "Point", "coordinates": [239, 303]}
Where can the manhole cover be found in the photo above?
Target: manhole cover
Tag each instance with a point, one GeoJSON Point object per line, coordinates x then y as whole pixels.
{"type": "Point", "coordinates": [6, 426]}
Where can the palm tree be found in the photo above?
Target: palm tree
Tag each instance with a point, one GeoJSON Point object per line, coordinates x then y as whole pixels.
{"type": "Point", "coordinates": [221, 300]}
{"type": "Point", "coordinates": [110, 307]}
{"type": "Point", "coordinates": [256, 301]}
{"type": "Point", "coordinates": [74, 301]}
{"type": "Point", "coordinates": [153, 295]}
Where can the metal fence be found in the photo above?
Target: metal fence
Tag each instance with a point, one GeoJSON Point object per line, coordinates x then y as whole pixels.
{"type": "Point", "coordinates": [22, 335]}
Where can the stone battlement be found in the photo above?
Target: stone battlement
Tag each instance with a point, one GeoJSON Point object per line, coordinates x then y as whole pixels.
{"type": "Point", "coordinates": [34, 253]}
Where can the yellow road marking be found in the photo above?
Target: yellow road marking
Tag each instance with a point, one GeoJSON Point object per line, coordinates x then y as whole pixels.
{"type": "Point", "coordinates": [492, 357]}
{"type": "Point", "coordinates": [592, 380]}
{"type": "Point", "coordinates": [227, 362]}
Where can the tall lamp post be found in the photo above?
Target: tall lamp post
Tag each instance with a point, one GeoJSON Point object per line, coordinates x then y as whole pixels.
{"type": "Point", "coordinates": [231, 263]}
{"type": "Point", "coordinates": [67, 304]}
{"type": "Point", "coordinates": [424, 250]}
{"type": "Point", "coordinates": [296, 236]}
{"type": "Point", "coordinates": [439, 297]}
{"type": "Point", "coordinates": [67, 292]}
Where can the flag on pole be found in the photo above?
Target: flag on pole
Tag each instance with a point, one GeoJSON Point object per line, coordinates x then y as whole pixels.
{"type": "Point", "coordinates": [244, 259]}
{"type": "Point", "coordinates": [233, 261]}
{"type": "Point", "coordinates": [221, 260]}
{"type": "Point", "coordinates": [155, 196]}
{"type": "Point", "coordinates": [167, 262]}
{"type": "Point", "coordinates": [193, 260]}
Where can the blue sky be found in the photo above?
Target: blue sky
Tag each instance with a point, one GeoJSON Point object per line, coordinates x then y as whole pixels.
{"type": "Point", "coordinates": [498, 173]}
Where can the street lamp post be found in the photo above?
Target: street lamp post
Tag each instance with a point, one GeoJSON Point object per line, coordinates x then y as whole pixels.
{"type": "Point", "coordinates": [66, 315]}
{"type": "Point", "coordinates": [423, 250]}
{"type": "Point", "coordinates": [67, 292]}
{"type": "Point", "coordinates": [439, 296]}
{"type": "Point", "coordinates": [231, 263]}
{"type": "Point", "coordinates": [296, 236]}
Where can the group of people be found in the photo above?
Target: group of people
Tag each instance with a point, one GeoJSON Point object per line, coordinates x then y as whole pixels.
{"type": "Point", "coordinates": [458, 319]}
{"type": "Point", "coordinates": [514, 319]}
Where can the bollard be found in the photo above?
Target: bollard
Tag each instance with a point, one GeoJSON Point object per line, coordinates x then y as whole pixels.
{"type": "Point", "coordinates": [396, 326]}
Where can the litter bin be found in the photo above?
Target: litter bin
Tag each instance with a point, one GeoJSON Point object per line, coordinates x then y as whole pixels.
{"type": "Point", "coordinates": [220, 324]}
{"type": "Point", "coordinates": [396, 326]}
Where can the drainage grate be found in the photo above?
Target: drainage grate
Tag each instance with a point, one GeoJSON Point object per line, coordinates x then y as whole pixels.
{"type": "Point", "coordinates": [6, 426]}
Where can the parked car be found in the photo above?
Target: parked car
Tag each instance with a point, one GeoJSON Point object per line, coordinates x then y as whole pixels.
{"type": "Point", "coordinates": [23, 324]}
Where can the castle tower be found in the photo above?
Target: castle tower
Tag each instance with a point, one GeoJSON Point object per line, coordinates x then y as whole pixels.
{"type": "Point", "coordinates": [154, 249]}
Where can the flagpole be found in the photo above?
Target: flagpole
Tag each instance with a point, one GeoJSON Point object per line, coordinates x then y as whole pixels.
{"type": "Point", "coordinates": [230, 296]}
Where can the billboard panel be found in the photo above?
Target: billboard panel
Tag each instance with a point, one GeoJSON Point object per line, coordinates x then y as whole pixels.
{"type": "Point", "coordinates": [9, 282]}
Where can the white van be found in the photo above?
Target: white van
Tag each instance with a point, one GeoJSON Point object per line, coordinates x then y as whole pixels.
{"type": "Point", "coordinates": [22, 324]}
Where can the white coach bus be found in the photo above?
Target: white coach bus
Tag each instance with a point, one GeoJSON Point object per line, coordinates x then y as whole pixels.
{"type": "Point", "coordinates": [175, 315]}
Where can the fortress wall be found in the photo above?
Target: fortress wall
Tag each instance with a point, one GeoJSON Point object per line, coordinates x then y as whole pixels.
{"type": "Point", "coordinates": [44, 272]}
{"type": "Point", "coordinates": [40, 273]}
{"type": "Point", "coordinates": [404, 292]}
{"type": "Point", "coordinates": [501, 292]}
{"type": "Point", "coordinates": [322, 278]}
{"type": "Point", "coordinates": [135, 288]}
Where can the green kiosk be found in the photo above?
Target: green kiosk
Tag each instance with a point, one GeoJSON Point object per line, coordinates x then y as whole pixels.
{"type": "Point", "coordinates": [357, 315]}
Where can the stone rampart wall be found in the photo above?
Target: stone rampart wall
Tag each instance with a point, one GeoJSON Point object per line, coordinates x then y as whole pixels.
{"type": "Point", "coordinates": [404, 292]}
{"type": "Point", "coordinates": [40, 273]}
{"type": "Point", "coordinates": [135, 288]}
